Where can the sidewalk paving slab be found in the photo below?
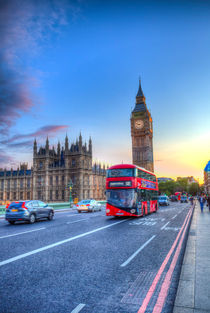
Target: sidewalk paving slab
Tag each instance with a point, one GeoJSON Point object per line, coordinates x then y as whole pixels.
{"type": "Point", "coordinates": [193, 293]}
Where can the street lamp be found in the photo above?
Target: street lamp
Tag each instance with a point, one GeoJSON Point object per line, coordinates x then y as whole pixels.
{"type": "Point", "coordinates": [70, 185]}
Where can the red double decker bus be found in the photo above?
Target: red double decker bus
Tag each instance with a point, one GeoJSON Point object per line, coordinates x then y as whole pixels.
{"type": "Point", "coordinates": [130, 191]}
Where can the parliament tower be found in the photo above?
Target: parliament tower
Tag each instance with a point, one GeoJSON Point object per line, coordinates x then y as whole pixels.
{"type": "Point", "coordinates": [142, 133]}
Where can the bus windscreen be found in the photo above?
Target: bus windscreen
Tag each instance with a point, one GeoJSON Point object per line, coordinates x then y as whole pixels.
{"type": "Point", "coordinates": [123, 198]}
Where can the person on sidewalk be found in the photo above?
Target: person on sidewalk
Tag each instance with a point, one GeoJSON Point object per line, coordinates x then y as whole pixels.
{"type": "Point", "coordinates": [208, 201]}
{"type": "Point", "coordinates": [202, 201]}
{"type": "Point", "coordinates": [191, 200]}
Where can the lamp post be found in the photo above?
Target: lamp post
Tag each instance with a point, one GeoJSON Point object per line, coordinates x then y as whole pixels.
{"type": "Point", "coordinates": [70, 185]}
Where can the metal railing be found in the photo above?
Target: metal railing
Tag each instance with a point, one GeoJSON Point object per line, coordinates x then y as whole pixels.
{"type": "Point", "coordinates": [2, 209]}
{"type": "Point", "coordinates": [55, 205]}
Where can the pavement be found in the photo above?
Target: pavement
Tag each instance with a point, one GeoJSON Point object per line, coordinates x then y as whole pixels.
{"type": "Point", "coordinates": [193, 293]}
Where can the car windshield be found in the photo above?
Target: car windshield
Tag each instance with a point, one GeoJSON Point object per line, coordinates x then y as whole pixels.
{"type": "Point", "coordinates": [123, 198]}
{"type": "Point", "coordinates": [84, 202]}
{"type": "Point", "coordinates": [120, 172]}
{"type": "Point", "coordinates": [162, 198]}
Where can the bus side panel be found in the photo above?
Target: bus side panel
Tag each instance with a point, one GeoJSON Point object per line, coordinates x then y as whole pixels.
{"type": "Point", "coordinates": [151, 208]}
{"type": "Point", "coordinates": [144, 208]}
{"type": "Point", "coordinates": [153, 205]}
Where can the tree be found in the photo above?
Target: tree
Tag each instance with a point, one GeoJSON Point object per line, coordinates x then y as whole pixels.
{"type": "Point", "coordinates": [168, 187]}
{"type": "Point", "coordinates": [182, 184]}
{"type": "Point", "coordinates": [194, 189]}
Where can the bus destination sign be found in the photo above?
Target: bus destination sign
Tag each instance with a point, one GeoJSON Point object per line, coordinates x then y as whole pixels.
{"type": "Point", "coordinates": [127, 183]}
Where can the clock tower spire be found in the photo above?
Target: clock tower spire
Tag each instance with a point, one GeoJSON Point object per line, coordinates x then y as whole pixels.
{"type": "Point", "coordinates": [142, 133]}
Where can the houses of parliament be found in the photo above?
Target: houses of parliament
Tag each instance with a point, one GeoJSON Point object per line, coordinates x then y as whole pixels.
{"type": "Point", "coordinates": [52, 172]}
{"type": "Point", "coordinates": [54, 169]}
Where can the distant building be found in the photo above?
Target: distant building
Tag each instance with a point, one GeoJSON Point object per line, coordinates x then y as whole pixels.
{"type": "Point", "coordinates": [164, 179]}
{"type": "Point", "coordinates": [207, 178]}
{"type": "Point", "coordinates": [16, 184]}
{"type": "Point", "coordinates": [190, 179]}
{"type": "Point", "coordinates": [52, 171]}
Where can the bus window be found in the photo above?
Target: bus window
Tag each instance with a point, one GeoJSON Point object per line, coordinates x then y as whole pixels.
{"type": "Point", "coordinates": [120, 172]}
{"type": "Point", "coordinates": [142, 195]}
{"type": "Point", "coordinates": [154, 195]}
{"type": "Point", "coordinates": [149, 195]}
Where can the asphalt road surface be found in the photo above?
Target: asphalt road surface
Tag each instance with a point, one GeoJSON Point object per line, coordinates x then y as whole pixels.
{"type": "Point", "coordinates": [91, 263]}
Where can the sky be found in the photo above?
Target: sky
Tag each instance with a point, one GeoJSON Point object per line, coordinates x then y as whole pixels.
{"type": "Point", "coordinates": [73, 66]}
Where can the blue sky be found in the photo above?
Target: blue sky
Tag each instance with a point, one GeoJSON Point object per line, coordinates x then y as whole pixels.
{"type": "Point", "coordinates": [71, 66]}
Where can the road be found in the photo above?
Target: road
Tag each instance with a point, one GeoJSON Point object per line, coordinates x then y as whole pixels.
{"type": "Point", "coordinates": [91, 263]}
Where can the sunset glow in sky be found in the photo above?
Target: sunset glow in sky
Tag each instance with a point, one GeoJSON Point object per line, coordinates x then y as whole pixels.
{"type": "Point", "coordinates": [71, 66]}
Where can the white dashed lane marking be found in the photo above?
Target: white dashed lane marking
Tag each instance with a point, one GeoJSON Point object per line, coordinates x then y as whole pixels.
{"type": "Point", "coordinates": [24, 232]}
{"type": "Point", "coordinates": [21, 256]}
{"type": "Point", "coordinates": [78, 221]}
{"type": "Point", "coordinates": [78, 308]}
{"type": "Point", "coordinates": [137, 251]}
{"type": "Point", "coordinates": [165, 225]}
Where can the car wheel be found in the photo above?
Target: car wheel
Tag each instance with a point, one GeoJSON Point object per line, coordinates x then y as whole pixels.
{"type": "Point", "coordinates": [50, 216]}
{"type": "Point", "coordinates": [32, 218]}
{"type": "Point", "coordinates": [12, 222]}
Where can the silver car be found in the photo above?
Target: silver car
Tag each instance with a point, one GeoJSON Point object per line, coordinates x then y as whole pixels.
{"type": "Point", "coordinates": [163, 200]}
{"type": "Point", "coordinates": [88, 206]}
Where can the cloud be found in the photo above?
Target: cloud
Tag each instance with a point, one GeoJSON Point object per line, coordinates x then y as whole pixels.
{"type": "Point", "coordinates": [49, 130]}
{"type": "Point", "coordinates": [14, 96]}
{"type": "Point", "coordinates": [23, 143]}
{"type": "Point", "coordinates": [43, 132]}
{"type": "Point", "coordinates": [25, 28]}
{"type": "Point", "coordinates": [5, 159]}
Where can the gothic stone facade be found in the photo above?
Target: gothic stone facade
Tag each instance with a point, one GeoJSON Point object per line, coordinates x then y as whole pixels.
{"type": "Point", "coordinates": [142, 133]}
{"type": "Point", "coordinates": [52, 171]}
{"type": "Point", "coordinates": [16, 184]}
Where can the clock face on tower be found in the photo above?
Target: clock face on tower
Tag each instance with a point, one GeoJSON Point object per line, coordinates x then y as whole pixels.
{"type": "Point", "coordinates": [139, 124]}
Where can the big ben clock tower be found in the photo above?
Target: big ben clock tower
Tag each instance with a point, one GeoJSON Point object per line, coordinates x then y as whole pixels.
{"type": "Point", "coordinates": [142, 133]}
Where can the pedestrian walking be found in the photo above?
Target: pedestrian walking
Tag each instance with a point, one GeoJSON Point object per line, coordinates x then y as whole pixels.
{"type": "Point", "coordinates": [191, 200]}
{"type": "Point", "coordinates": [202, 201]}
{"type": "Point", "coordinates": [208, 201]}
